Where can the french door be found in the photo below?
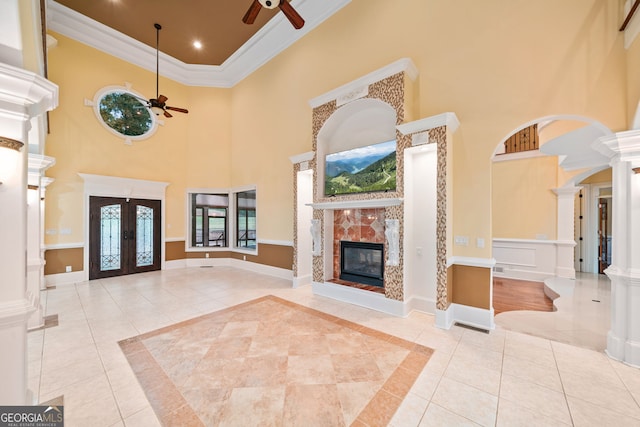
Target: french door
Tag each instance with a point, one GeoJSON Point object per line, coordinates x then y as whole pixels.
{"type": "Point", "coordinates": [124, 236]}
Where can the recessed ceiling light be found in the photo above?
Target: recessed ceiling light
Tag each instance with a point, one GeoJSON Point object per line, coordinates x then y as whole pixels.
{"type": "Point", "coordinates": [197, 44]}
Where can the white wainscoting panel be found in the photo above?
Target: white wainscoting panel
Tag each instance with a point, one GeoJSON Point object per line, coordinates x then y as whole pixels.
{"type": "Point", "coordinates": [525, 259]}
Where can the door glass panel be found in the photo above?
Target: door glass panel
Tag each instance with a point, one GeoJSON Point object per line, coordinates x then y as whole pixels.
{"type": "Point", "coordinates": [110, 251]}
{"type": "Point", "coordinates": [144, 236]}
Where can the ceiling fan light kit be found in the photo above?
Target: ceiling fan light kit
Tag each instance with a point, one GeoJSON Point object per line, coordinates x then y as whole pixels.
{"type": "Point", "coordinates": [158, 104]}
{"type": "Point", "coordinates": [286, 8]}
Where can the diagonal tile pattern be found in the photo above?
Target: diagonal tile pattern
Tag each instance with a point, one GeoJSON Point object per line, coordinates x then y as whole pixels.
{"type": "Point", "coordinates": [472, 378]}
{"type": "Point", "coordinates": [229, 370]}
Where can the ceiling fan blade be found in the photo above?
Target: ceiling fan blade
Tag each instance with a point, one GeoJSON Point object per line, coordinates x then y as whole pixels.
{"type": "Point", "coordinates": [180, 110]}
{"type": "Point", "coordinates": [166, 114]}
{"type": "Point", "coordinates": [162, 99]}
{"type": "Point", "coordinates": [291, 14]}
{"type": "Point", "coordinates": [252, 13]}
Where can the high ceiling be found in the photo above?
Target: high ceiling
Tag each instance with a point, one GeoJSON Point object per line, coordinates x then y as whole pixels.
{"type": "Point", "coordinates": [217, 24]}
{"type": "Point", "coordinates": [231, 49]}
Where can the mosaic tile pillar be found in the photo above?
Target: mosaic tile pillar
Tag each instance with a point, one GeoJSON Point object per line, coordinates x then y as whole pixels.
{"type": "Point", "coordinates": [439, 136]}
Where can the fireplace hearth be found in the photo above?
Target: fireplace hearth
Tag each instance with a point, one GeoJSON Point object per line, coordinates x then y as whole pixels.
{"type": "Point", "coordinates": [362, 262]}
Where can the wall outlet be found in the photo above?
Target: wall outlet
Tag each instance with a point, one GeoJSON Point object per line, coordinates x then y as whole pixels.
{"type": "Point", "coordinates": [68, 269]}
{"type": "Point", "coordinates": [244, 257]}
{"type": "Point", "coordinates": [480, 242]}
{"type": "Point", "coordinates": [206, 255]}
{"type": "Point", "coordinates": [419, 251]}
{"type": "Point", "coordinates": [461, 240]}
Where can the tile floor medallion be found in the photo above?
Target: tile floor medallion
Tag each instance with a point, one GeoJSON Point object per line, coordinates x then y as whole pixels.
{"type": "Point", "coordinates": [273, 362]}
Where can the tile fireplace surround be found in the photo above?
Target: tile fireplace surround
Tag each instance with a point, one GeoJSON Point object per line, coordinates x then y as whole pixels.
{"type": "Point", "coordinates": [356, 225]}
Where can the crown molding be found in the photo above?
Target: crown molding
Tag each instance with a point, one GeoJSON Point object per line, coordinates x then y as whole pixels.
{"type": "Point", "coordinates": [269, 41]}
{"type": "Point", "coordinates": [404, 64]}
{"type": "Point", "coordinates": [450, 120]}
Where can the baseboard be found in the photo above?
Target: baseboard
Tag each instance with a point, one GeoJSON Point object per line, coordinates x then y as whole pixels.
{"type": "Point", "coordinates": [522, 275]}
{"type": "Point", "coordinates": [425, 305]}
{"type": "Point", "coordinates": [471, 316]}
{"type": "Point", "coordinates": [175, 264]}
{"type": "Point", "coordinates": [362, 298]}
{"type": "Point", "coordinates": [64, 278]}
{"type": "Point", "coordinates": [261, 268]}
{"type": "Point", "coordinates": [301, 281]}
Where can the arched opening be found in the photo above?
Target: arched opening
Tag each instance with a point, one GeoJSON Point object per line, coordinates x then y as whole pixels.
{"type": "Point", "coordinates": [537, 226]}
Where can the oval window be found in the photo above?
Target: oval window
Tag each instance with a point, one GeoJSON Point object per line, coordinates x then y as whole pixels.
{"type": "Point", "coordinates": [125, 113]}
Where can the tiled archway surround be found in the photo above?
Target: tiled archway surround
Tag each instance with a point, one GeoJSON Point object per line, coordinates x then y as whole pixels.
{"type": "Point", "coordinates": [392, 90]}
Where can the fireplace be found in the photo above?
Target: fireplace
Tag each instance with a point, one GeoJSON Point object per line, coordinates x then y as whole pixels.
{"type": "Point", "coordinates": [362, 262]}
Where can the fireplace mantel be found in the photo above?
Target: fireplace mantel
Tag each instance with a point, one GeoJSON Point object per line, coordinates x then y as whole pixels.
{"type": "Point", "coordinates": [352, 204]}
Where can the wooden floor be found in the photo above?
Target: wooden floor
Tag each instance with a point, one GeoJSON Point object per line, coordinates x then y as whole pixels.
{"type": "Point", "coordinates": [511, 295]}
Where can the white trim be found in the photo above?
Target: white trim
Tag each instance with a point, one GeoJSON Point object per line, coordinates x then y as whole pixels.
{"type": "Point", "coordinates": [360, 297]}
{"type": "Point", "coordinates": [531, 154]}
{"type": "Point", "coordinates": [39, 163]}
{"type": "Point", "coordinates": [404, 64]}
{"type": "Point", "coordinates": [262, 269]}
{"type": "Point", "coordinates": [57, 246]}
{"type": "Point", "coordinates": [274, 37]}
{"type": "Point", "coordinates": [66, 278]}
{"type": "Point", "coordinates": [351, 204]}
{"type": "Point", "coordinates": [35, 93]}
{"type": "Point", "coordinates": [422, 304]}
{"type": "Point", "coordinates": [546, 120]}
{"type": "Point", "coordinates": [175, 264]}
{"type": "Point", "coordinates": [473, 316]}
{"type": "Point", "coordinates": [471, 262]}
{"type": "Point", "coordinates": [301, 281]}
{"type": "Point", "coordinates": [450, 120]}
{"type": "Point", "coordinates": [95, 106]}
{"type": "Point", "coordinates": [444, 318]}
{"type": "Point", "coordinates": [16, 312]}
{"type": "Point", "coordinates": [275, 242]}
{"type": "Point", "coordinates": [536, 241]}
{"type": "Point", "coordinates": [300, 158]}
{"type": "Point", "coordinates": [113, 186]}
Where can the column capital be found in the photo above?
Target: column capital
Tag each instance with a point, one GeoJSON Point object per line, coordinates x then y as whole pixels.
{"type": "Point", "coordinates": [620, 147]}
{"type": "Point", "coordinates": [566, 191]}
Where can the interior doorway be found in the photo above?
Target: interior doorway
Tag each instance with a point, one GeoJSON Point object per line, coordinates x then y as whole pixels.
{"type": "Point", "coordinates": [124, 236]}
{"type": "Point", "coordinates": [604, 233]}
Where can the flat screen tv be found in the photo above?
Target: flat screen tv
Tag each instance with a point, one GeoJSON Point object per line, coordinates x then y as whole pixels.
{"type": "Point", "coordinates": [361, 170]}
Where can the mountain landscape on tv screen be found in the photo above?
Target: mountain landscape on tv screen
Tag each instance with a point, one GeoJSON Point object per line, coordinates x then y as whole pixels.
{"type": "Point", "coordinates": [358, 172]}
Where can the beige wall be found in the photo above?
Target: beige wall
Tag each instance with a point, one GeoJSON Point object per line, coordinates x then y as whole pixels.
{"type": "Point", "coordinates": [633, 80]}
{"type": "Point", "coordinates": [497, 64]}
{"type": "Point", "coordinates": [188, 151]}
{"type": "Point", "coordinates": [523, 203]}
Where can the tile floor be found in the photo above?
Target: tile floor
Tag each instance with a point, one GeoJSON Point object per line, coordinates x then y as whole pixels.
{"type": "Point", "coordinates": [504, 378]}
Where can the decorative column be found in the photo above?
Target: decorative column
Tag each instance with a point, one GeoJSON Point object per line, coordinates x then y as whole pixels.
{"type": "Point", "coordinates": [35, 221]}
{"type": "Point", "coordinates": [23, 96]}
{"type": "Point", "coordinates": [623, 340]}
{"type": "Point", "coordinates": [566, 238]}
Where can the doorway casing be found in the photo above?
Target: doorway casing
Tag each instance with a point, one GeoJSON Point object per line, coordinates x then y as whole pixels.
{"type": "Point", "coordinates": [111, 186]}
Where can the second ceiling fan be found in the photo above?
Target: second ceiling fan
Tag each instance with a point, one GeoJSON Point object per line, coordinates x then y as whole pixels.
{"type": "Point", "coordinates": [288, 10]}
{"type": "Point", "coordinates": [159, 102]}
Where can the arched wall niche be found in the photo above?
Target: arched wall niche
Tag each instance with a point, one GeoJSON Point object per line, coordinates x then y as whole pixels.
{"type": "Point", "coordinates": [357, 124]}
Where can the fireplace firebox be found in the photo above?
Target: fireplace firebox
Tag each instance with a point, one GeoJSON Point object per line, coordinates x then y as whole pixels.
{"type": "Point", "coordinates": [362, 262]}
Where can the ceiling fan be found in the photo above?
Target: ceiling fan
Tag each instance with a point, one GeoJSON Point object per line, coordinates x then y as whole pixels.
{"type": "Point", "coordinates": [288, 10]}
{"type": "Point", "coordinates": [159, 102]}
